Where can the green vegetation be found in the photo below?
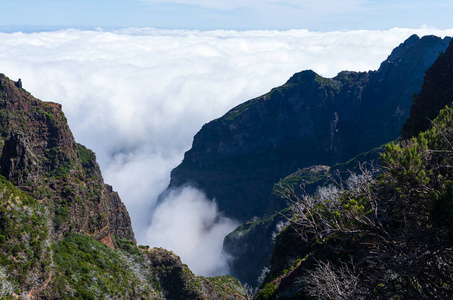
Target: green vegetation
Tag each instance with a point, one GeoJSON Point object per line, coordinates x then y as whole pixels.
{"type": "Point", "coordinates": [86, 155]}
{"type": "Point", "coordinates": [238, 110]}
{"type": "Point", "coordinates": [50, 235]}
{"type": "Point", "coordinates": [267, 292]}
{"type": "Point", "coordinates": [93, 271]}
{"type": "Point", "coordinates": [88, 159]}
{"type": "Point", "coordinates": [23, 234]}
{"type": "Point", "coordinates": [314, 175]}
{"type": "Point", "coordinates": [330, 82]}
{"type": "Point", "coordinates": [404, 218]}
{"type": "Point", "coordinates": [226, 286]}
{"type": "Point", "coordinates": [441, 212]}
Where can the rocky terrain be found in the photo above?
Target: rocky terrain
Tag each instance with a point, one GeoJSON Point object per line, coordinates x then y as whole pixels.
{"type": "Point", "coordinates": [436, 92]}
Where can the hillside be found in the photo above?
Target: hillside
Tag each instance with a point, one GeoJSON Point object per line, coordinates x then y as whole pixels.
{"type": "Point", "coordinates": [64, 233]}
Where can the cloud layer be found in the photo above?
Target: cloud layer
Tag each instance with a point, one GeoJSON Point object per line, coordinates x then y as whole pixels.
{"type": "Point", "coordinates": [138, 96]}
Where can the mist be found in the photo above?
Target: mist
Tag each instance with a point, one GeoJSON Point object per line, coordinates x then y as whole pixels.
{"type": "Point", "coordinates": [200, 243]}
{"type": "Point", "coordinates": [137, 97]}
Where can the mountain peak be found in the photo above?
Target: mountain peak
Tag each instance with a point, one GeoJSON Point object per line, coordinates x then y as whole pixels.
{"type": "Point", "coordinates": [303, 76]}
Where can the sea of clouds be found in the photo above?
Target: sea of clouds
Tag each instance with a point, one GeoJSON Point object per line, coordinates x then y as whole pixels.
{"type": "Point", "coordinates": [137, 97]}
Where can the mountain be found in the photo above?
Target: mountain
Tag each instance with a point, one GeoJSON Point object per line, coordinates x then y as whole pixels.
{"type": "Point", "coordinates": [389, 238]}
{"type": "Point", "coordinates": [64, 233]}
{"type": "Point", "coordinates": [310, 120]}
{"type": "Point", "coordinates": [40, 156]}
{"type": "Point", "coordinates": [309, 123]}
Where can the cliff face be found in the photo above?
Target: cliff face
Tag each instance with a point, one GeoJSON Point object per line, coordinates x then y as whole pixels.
{"type": "Point", "coordinates": [310, 120]}
{"type": "Point", "coordinates": [40, 156]}
{"type": "Point", "coordinates": [436, 92]}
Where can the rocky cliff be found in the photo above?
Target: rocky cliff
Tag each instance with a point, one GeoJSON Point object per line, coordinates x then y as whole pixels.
{"type": "Point", "coordinates": [436, 92]}
{"type": "Point", "coordinates": [310, 120]}
{"type": "Point", "coordinates": [40, 156]}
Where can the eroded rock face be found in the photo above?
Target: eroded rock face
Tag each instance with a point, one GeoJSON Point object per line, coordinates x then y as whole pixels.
{"type": "Point", "coordinates": [18, 163]}
{"type": "Point", "coordinates": [310, 120]}
{"type": "Point", "coordinates": [40, 156]}
{"type": "Point", "coordinates": [435, 94]}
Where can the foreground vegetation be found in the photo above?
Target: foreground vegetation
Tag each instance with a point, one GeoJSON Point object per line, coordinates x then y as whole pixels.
{"type": "Point", "coordinates": [389, 237]}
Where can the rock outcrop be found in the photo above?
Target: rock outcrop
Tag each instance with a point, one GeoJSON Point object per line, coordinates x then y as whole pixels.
{"type": "Point", "coordinates": [178, 282]}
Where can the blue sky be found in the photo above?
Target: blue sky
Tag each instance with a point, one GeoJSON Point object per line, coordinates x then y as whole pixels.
{"type": "Point", "coordinates": [320, 15]}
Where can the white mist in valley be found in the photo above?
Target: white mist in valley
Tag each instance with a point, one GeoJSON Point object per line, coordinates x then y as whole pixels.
{"type": "Point", "coordinates": [191, 225]}
{"type": "Point", "coordinates": [138, 96]}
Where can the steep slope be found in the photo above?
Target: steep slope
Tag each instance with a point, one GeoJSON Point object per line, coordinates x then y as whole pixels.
{"type": "Point", "coordinates": [309, 120]}
{"type": "Point", "coordinates": [64, 233]}
{"type": "Point", "coordinates": [390, 238]}
{"type": "Point", "coordinates": [252, 243]}
{"type": "Point", "coordinates": [436, 92]}
{"type": "Point", "coordinates": [40, 156]}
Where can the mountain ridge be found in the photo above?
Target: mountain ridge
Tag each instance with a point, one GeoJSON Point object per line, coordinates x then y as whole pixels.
{"type": "Point", "coordinates": [310, 120]}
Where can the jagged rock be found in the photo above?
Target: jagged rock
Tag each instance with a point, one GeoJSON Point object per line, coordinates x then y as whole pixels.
{"type": "Point", "coordinates": [18, 84]}
{"type": "Point", "coordinates": [119, 219]}
{"type": "Point", "coordinates": [251, 245]}
{"type": "Point", "coordinates": [17, 163]}
{"type": "Point", "coordinates": [179, 283]}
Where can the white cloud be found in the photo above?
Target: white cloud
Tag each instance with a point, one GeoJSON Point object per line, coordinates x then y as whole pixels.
{"type": "Point", "coordinates": [138, 96]}
{"type": "Point", "coordinates": [190, 225]}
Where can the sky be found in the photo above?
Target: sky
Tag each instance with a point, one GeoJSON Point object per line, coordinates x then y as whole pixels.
{"type": "Point", "coordinates": [319, 15]}
{"type": "Point", "coordinates": [137, 79]}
